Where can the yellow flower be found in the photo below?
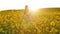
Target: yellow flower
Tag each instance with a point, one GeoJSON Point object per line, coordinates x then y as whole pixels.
{"type": "Point", "coordinates": [53, 23]}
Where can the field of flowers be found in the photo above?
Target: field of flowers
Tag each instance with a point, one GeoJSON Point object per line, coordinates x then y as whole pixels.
{"type": "Point", "coordinates": [43, 22]}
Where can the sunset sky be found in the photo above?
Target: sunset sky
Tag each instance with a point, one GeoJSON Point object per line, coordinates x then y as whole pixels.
{"type": "Point", "coordinates": [33, 4]}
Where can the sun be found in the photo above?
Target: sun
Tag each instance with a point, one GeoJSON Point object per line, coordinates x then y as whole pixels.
{"type": "Point", "coordinates": [32, 4]}
{"type": "Point", "coordinates": [33, 8]}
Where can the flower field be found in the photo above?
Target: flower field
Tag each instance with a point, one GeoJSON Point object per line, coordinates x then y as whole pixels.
{"type": "Point", "coordinates": [46, 21]}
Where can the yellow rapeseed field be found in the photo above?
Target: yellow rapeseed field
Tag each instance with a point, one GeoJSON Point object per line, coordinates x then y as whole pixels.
{"type": "Point", "coordinates": [44, 21]}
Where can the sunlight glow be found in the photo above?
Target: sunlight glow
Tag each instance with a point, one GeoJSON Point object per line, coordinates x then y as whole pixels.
{"type": "Point", "coordinates": [36, 4]}
{"type": "Point", "coordinates": [33, 4]}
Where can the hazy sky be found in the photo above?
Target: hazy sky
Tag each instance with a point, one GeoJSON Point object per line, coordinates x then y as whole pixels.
{"type": "Point", "coordinates": [33, 4]}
